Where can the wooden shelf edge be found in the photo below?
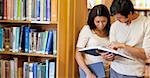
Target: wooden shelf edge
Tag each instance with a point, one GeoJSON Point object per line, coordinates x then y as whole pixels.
{"type": "Point", "coordinates": [28, 54]}
{"type": "Point", "coordinates": [142, 9]}
{"type": "Point", "coordinates": [28, 22]}
{"type": "Point", "coordinates": [14, 21]}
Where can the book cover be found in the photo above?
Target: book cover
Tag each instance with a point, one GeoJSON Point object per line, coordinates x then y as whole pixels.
{"type": "Point", "coordinates": [49, 45]}
{"type": "Point", "coordinates": [92, 51]}
{"type": "Point", "coordinates": [97, 69]}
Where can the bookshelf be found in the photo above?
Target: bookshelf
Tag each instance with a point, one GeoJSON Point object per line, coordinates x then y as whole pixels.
{"type": "Point", "coordinates": [142, 7]}
{"type": "Point", "coordinates": [71, 17]}
{"type": "Point", "coordinates": [14, 36]}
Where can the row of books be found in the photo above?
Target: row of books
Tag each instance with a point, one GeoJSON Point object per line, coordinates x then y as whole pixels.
{"type": "Point", "coordinates": [39, 70]}
{"type": "Point", "coordinates": [141, 4]}
{"type": "Point", "coordinates": [8, 69]}
{"type": "Point", "coordinates": [25, 39]}
{"type": "Point", "coordinates": [92, 3]}
{"type": "Point", "coordinates": [35, 10]}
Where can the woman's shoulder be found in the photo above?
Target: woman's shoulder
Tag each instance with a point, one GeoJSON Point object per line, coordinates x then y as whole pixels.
{"type": "Point", "coordinates": [86, 28]}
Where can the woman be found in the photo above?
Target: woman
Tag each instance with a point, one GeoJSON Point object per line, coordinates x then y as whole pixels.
{"type": "Point", "coordinates": [94, 34]}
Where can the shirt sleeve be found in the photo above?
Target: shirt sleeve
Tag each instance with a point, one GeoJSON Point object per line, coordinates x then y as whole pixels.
{"type": "Point", "coordinates": [83, 37]}
{"type": "Point", "coordinates": [112, 33]}
{"type": "Point", "coordinates": [146, 41]}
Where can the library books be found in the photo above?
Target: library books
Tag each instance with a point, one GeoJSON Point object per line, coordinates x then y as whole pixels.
{"type": "Point", "coordinates": [95, 49]}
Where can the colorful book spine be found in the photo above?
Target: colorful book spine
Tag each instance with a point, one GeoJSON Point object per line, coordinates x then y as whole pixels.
{"type": "Point", "coordinates": [38, 10]}
{"type": "Point", "coordinates": [19, 10]}
{"type": "Point", "coordinates": [1, 39]}
{"type": "Point", "coordinates": [26, 49]}
{"type": "Point", "coordinates": [49, 47]}
{"type": "Point", "coordinates": [48, 10]}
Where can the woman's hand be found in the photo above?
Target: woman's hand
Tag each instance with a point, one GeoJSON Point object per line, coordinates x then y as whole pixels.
{"type": "Point", "coordinates": [108, 56]}
{"type": "Point", "coordinates": [90, 75]}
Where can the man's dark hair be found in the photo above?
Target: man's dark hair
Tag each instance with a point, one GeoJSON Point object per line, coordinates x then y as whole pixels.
{"type": "Point", "coordinates": [124, 7]}
{"type": "Point", "coordinates": [99, 10]}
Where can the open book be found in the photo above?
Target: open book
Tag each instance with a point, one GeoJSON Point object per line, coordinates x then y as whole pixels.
{"type": "Point", "coordinates": [92, 51]}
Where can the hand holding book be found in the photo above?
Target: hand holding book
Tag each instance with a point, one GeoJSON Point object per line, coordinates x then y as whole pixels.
{"type": "Point", "coordinates": [102, 49]}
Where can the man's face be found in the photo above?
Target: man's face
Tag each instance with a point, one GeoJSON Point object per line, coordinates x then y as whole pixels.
{"type": "Point", "coordinates": [121, 18]}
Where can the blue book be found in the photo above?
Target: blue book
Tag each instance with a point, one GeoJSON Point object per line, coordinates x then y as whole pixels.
{"type": "Point", "coordinates": [38, 10]}
{"type": "Point", "coordinates": [34, 70]}
{"type": "Point", "coordinates": [96, 68]}
{"type": "Point", "coordinates": [1, 39]}
{"type": "Point", "coordinates": [49, 45]}
{"type": "Point", "coordinates": [48, 10]}
{"type": "Point", "coordinates": [25, 39]}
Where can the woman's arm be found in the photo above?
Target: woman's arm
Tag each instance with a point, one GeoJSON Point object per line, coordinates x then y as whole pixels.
{"type": "Point", "coordinates": [82, 65]}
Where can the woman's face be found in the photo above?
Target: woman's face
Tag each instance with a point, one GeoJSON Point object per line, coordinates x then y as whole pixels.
{"type": "Point", "coordinates": [100, 22]}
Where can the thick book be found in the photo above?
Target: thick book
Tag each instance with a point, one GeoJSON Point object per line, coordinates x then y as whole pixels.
{"type": "Point", "coordinates": [94, 51]}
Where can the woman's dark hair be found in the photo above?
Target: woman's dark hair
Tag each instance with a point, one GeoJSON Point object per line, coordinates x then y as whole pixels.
{"type": "Point", "coordinates": [99, 10]}
{"type": "Point", "coordinates": [124, 7]}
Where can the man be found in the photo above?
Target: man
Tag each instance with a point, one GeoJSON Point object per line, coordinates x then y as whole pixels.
{"type": "Point", "coordinates": [129, 34]}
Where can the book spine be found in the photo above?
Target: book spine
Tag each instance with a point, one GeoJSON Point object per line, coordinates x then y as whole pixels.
{"type": "Point", "coordinates": [13, 39]}
{"type": "Point", "coordinates": [15, 9]}
{"type": "Point", "coordinates": [1, 39]}
{"type": "Point", "coordinates": [54, 42]}
{"type": "Point", "coordinates": [17, 39]}
{"type": "Point", "coordinates": [41, 10]}
{"type": "Point", "coordinates": [44, 12]}
{"type": "Point", "coordinates": [38, 10]}
{"type": "Point", "coordinates": [1, 9]}
{"type": "Point", "coordinates": [5, 9]}
{"type": "Point", "coordinates": [49, 43]}
{"type": "Point", "coordinates": [52, 70]}
{"type": "Point", "coordinates": [35, 70]}
{"type": "Point", "coordinates": [19, 10]}
{"type": "Point", "coordinates": [27, 30]}
{"type": "Point", "coordinates": [54, 9]}
{"type": "Point", "coordinates": [48, 10]}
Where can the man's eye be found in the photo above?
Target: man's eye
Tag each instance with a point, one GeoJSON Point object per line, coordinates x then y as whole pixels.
{"type": "Point", "coordinates": [98, 21]}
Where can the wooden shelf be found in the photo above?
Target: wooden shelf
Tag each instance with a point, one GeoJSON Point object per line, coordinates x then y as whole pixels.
{"type": "Point", "coordinates": [43, 22]}
{"type": "Point", "coordinates": [28, 22]}
{"type": "Point", "coordinates": [28, 54]}
{"type": "Point", "coordinates": [14, 21]}
{"type": "Point", "coordinates": [142, 9]}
